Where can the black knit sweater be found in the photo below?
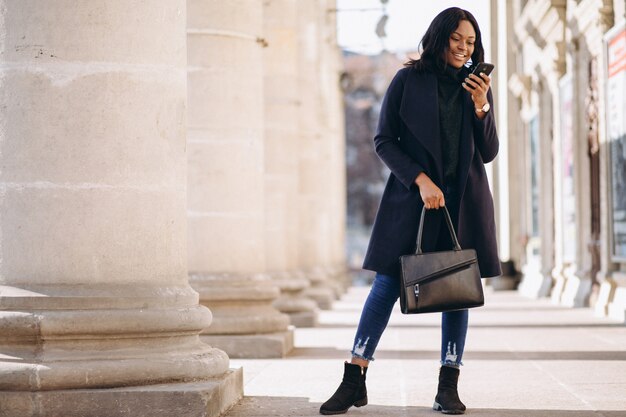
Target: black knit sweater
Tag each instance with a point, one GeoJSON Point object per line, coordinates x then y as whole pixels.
{"type": "Point", "coordinates": [450, 118]}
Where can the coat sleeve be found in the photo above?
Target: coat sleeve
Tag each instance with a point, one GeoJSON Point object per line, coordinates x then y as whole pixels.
{"type": "Point", "coordinates": [386, 141]}
{"type": "Point", "coordinates": [485, 135]}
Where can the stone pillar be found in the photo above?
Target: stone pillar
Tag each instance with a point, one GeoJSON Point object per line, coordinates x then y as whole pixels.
{"type": "Point", "coordinates": [584, 45]}
{"type": "Point", "coordinates": [314, 215]}
{"type": "Point", "coordinates": [95, 306]}
{"type": "Point", "coordinates": [280, 61]}
{"type": "Point", "coordinates": [587, 22]}
{"type": "Point", "coordinates": [547, 95]}
{"type": "Point", "coordinates": [540, 32]}
{"type": "Point", "coordinates": [518, 84]}
{"type": "Point", "coordinates": [612, 276]}
{"type": "Point", "coordinates": [337, 158]}
{"type": "Point", "coordinates": [226, 212]}
{"type": "Point", "coordinates": [502, 56]}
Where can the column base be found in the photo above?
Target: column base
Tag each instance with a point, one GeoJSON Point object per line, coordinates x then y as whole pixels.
{"type": "Point", "coordinates": [534, 283]}
{"type": "Point", "coordinates": [303, 318]}
{"type": "Point", "coordinates": [321, 290]}
{"type": "Point", "coordinates": [302, 311]}
{"type": "Point", "coordinates": [207, 398]}
{"type": "Point", "coordinates": [576, 292]}
{"type": "Point", "coordinates": [337, 280]}
{"type": "Point", "coordinates": [323, 296]}
{"type": "Point", "coordinates": [253, 346]}
{"type": "Point", "coordinates": [617, 310]}
{"type": "Point", "coordinates": [502, 283]}
{"type": "Point", "coordinates": [556, 293]}
{"type": "Point", "coordinates": [92, 336]}
{"type": "Point", "coordinates": [607, 290]}
{"type": "Point", "coordinates": [611, 300]}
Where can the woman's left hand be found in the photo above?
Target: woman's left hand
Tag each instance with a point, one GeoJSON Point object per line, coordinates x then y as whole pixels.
{"type": "Point", "coordinates": [478, 87]}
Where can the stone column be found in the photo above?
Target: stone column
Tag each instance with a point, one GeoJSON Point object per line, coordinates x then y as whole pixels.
{"type": "Point", "coordinates": [587, 24]}
{"type": "Point", "coordinates": [337, 157]}
{"type": "Point", "coordinates": [314, 216]}
{"type": "Point", "coordinates": [547, 98]}
{"type": "Point", "coordinates": [226, 212]}
{"type": "Point", "coordinates": [540, 30]}
{"type": "Point", "coordinates": [585, 44]}
{"type": "Point", "coordinates": [612, 275]}
{"type": "Point", "coordinates": [95, 306]}
{"type": "Point", "coordinates": [500, 167]}
{"type": "Point", "coordinates": [280, 61]}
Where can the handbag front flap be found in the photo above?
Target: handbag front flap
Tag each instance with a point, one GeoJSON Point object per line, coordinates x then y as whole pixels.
{"type": "Point", "coordinates": [417, 268]}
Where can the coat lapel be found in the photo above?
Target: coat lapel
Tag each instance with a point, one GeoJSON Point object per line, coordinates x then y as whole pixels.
{"type": "Point", "coordinates": [420, 112]}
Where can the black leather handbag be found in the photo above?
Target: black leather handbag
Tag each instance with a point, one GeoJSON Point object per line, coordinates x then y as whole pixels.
{"type": "Point", "coordinates": [440, 281]}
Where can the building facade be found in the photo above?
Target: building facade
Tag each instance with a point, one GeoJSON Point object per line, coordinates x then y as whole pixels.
{"type": "Point", "coordinates": [563, 165]}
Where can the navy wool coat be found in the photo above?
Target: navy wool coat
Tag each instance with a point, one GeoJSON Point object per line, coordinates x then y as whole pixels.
{"type": "Point", "coordinates": [408, 142]}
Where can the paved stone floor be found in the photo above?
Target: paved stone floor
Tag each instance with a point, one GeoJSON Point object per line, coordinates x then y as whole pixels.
{"type": "Point", "coordinates": [523, 357]}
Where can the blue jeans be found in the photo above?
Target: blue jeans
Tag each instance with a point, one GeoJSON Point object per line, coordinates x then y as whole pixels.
{"type": "Point", "coordinates": [375, 316]}
{"type": "Point", "coordinates": [385, 292]}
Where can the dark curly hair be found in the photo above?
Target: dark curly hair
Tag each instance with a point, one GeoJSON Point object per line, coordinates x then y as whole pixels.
{"type": "Point", "coordinates": [435, 42]}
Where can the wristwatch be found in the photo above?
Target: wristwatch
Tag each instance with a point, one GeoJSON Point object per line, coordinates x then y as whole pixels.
{"type": "Point", "coordinates": [483, 109]}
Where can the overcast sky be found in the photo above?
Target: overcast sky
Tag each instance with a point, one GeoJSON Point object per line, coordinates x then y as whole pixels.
{"type": "Point", "coordinates": [408, 20]}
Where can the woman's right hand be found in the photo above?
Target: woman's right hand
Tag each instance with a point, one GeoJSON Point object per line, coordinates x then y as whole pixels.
{"type": "Point", "coordinates": [431, 194]}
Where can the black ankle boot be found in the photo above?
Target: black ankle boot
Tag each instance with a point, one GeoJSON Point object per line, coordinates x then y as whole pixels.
{"type": "Point", "coordinates": [447, 400]}
{"type": "Point", "coordinates": [351, 391]}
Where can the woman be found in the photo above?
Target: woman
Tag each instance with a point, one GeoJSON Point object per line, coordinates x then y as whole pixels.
{"type": "Point", "coordinates": [435, 133]}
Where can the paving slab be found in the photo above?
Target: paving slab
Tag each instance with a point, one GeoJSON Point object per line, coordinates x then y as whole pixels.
{"type": "Point", "coordinates": [523, 357]}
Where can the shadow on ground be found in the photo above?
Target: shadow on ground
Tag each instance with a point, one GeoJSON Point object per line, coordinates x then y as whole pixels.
{"type": "Point", "coordinates": [332, 353]}
{"type": "Point", "coordinates": [417, 325]}
{"type": "Point", "coordinates": [358, 307]}
{"type": "Point", "coordinates": [302, 407]}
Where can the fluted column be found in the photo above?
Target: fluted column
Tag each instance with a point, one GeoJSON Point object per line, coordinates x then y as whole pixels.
{"type": "Point", "coordinates": [280, 61]}
{"type": "Point", "coordinates": [94, 291]}
{"type": "Point", "coordinates": [226, 204]}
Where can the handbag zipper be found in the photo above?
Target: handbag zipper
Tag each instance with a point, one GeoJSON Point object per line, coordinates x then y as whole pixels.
{"type": "Point", "coordinates": [444, 271]}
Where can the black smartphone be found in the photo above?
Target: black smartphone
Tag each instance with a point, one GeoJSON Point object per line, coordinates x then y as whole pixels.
{"type": "Point", "coordinates": [483, 67]}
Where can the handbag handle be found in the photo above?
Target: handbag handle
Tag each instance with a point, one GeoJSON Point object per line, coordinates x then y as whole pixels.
{"type": "Point", "coordinates": [457, 246]}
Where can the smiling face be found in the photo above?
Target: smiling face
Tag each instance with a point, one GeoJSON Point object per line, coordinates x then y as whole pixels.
{"type": "Point", "coordinates": [461, 44]}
